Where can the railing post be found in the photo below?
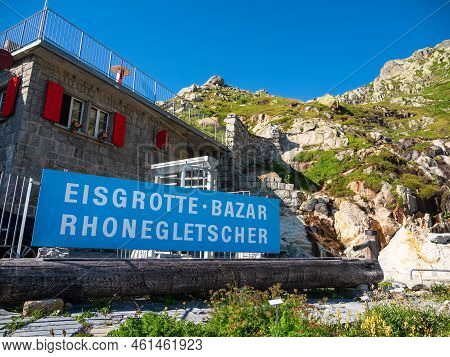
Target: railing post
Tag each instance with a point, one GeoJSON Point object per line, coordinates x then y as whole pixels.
{"type": "Point", "coordinates": [42, 24]}
{"type": "Point", "coordinates": [81, 45]}
{"type": "Point", "coordinates": [108, 70]}
{"type": "Point", "coordinates": [154, 91]}
{"type": "Point", "coordinates": [24, 217]}
{"type": "Point", "coordinates": [134, 77]}
{"type": "Point", "coordinates": [23, 33]}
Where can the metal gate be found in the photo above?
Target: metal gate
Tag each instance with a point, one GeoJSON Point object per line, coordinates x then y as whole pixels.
{"type": "Point", "coordinates": [16, 215]}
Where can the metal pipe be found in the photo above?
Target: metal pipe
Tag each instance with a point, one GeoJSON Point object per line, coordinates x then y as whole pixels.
{"type": "Point", "coordinates": [18, 212]}
{"type": "Point", "coordinates": [431, 270]}
{"type": "Point", "coordinates": [81, 45]}
{"type": "Point", "coordinates": [4, 204]}
{"type": "Point", "coordinates": [24, 217]}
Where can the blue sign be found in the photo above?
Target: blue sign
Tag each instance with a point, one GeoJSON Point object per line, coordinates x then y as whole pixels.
{"type": "Point", "coordinates": [86, 211]}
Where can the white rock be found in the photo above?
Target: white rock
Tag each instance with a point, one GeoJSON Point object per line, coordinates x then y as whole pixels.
{"type": "Point", "coordinates": [410, 249]}
{"type": "Point", "coordinates": [350, 223]}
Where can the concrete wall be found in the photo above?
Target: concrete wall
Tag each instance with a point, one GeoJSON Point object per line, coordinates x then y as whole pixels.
{"type": "Point", "coordinates": [29, 143]}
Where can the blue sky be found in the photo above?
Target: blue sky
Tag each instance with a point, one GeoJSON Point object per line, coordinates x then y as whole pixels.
{"type": "Point", "coordinates": [296, 49]}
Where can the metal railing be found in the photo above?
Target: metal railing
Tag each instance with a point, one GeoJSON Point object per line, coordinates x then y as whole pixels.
{"type": "Point", "coordinates": [48, 26]}
{"type": "Point", "coordinates": [15, 221]}
{"type": "Point", "coordinates": [427, 270]}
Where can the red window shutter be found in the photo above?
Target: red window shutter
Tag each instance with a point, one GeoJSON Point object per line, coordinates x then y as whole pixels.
{"type": "Point", "coordinates": [161, 139]}
{"type": "Point", "coordinates": [53, 102]}
{"type": "Point", "coordinates": [10, 97]}
{"type": "Point", "coordinates": [118, 135]}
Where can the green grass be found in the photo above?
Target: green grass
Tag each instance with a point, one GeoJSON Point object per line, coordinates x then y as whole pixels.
{"type": "Point", "coordinates": [420, 185]}
{"type": "Point", "coordinates": [326, 167]}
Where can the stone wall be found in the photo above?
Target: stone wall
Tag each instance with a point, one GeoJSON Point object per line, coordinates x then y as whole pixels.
{"type": "Point", "coordinates": [29, 143]}
{"type": "Point", "coordinates": [251, 155]}
{"type": "Point", "coordinates": [10, 128]}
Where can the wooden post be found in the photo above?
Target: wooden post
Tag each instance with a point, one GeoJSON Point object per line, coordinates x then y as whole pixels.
{"type": "Point", "coordinates": [80, 279]}
{"type": "Point", "coordinates": [371, 243]}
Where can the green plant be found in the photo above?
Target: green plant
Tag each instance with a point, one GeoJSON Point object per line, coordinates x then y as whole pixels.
{"type": "Point", "coordinates": [398, 320]}
{"type": "Point", "coordinates": [246, 312]}
{"type": "Point", "coordinates": [152, 324]}
{"type": "Point", "coordinates": [82, 319]}
{"type": "Point", "coordinates": [17, 322]}
{"type": "Point", "coordinates": [420, 185]}
{"type": "Point", "coordinates": [326, 167]}
{"type": "Point", "coordinates": [440, 292]}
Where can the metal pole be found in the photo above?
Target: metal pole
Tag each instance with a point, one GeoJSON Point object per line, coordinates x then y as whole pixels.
{"type": "Point", "coordinates": [24, 217]}
{"type": "Point", "coordinates": [4, 203]}
{"type": "Point", "coordinates": [109, 63]}
{"type": "Point", "coordinates": [183, 177]}
{"type": "Point", "coordinates": [276, 321]}
{"type": "Point", "coordinates": [18, 213]}
{"type": "Point", "coordinates": [81, 44]}
{"type": "Point", "coordinates": [134, 77]}
{"type": "Point", "coordinates": [43, 22]}
{"type": "Point", "coordinates": [23, 33]}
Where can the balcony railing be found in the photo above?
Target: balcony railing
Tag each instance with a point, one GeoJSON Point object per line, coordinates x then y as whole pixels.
{"type": "Point", "coordinates": [48, 26]}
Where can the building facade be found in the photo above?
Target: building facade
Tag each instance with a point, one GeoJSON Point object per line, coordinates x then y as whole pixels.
{"type": "Point", "coordinates": [58, 115]}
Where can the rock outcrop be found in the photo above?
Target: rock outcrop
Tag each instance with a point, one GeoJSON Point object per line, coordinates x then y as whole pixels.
{"type": "Point", "coordinates": [376, 157]}
{"type": "Point", "coordinates": [407, 76]}
{"type": "Point", "coordinates": [410, 258]}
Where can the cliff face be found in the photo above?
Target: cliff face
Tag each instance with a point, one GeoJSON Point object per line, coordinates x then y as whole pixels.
{"type": "Point", "coordinates": [376, 157]}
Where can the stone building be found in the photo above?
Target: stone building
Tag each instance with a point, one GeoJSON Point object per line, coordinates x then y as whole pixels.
{"type": "Point", "coordinates": [60, 111]}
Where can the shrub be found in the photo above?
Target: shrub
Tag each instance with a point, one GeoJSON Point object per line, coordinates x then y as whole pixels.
{"type": "Point", "coordinates": [399, 321]}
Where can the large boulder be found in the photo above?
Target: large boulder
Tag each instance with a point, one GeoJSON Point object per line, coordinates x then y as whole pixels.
{"type": "Point", "coordinates": [386, 222]}
{"type": "Point", "coordinates": [214, 81]}
{"type": "Point", "coordinates": [350, 222]}
{"type": "Point", "coordinates": [410, 249]}
{"type": "Point", "coordinates": [328, 100]}
{"type": "Point", "coordinates": [318, 134]}
{"type": "Point", "coordinates": [294, 238]}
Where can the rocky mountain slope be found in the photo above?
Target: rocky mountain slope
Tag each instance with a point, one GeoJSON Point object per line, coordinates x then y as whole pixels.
{"type": "Point", "coordinates": [375, 157]}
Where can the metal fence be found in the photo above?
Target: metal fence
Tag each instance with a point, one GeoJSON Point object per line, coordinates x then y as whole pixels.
{"type": "Point", "coordinates": [48, 26]}
{"type": "Point", "coordinates": [15, 221]}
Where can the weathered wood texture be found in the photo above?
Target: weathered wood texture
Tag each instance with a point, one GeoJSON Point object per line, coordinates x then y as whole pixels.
{"type": "Point", "coordinates": [77, 279]}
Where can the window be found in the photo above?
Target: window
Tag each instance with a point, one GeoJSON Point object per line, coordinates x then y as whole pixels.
{"type": "Point", "coordinates": [2, 98]}
{"type": "Point", "coordinates": [98, 123]}
{"type": "Point", "coordinates": [71, 112]}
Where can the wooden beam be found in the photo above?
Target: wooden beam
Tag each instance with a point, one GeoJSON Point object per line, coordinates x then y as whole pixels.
{"type": "Point", "coordinates": [80, 279]}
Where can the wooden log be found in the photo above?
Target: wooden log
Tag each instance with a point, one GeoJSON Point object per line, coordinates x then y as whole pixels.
{"type": "Point", "coordinates": [80, 279]}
